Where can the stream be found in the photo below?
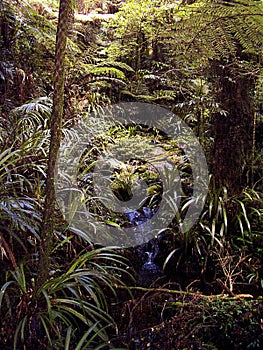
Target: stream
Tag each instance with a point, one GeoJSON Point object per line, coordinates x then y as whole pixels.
{"type": "Point", "coordinates": [141, 221]}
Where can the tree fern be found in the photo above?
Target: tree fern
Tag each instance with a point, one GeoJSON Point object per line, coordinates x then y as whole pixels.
{"type": "Point", "coordinates": [215, 28]}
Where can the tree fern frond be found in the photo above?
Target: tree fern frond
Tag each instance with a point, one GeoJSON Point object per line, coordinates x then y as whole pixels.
{"type": "Point", "coordinates": [217, 28]}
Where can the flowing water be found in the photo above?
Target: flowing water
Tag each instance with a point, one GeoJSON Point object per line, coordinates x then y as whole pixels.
{"type": "Point", "coordinates": [141, 221]}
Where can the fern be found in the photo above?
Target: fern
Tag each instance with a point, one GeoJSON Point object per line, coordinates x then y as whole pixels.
{"type": "Point", "coordinates": [217, 29]}
{"type": "Point", "coordinates": [119, 65]}
{"type": "Point", "coordinates": [100, 75]}
{"type": "Point", "coordinates": [168, 95]}
{"type": "Point", "coordinates": [107, 71]}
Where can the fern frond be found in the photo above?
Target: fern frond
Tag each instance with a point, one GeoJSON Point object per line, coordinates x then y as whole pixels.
{"type": "Point", "coordinates": [111, 72]}
{"type": "Point", "coordinates": [218, 29]}
{"type": "Point", "coordinates": [168, 95]}
{"type": "Point", "coordinates": [119, 65]}
{"type": "Point", "coordinates": [107, 71]}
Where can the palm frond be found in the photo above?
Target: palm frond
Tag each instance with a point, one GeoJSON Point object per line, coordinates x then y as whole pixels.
{"type": "Point", "coordinates": [31, 116]}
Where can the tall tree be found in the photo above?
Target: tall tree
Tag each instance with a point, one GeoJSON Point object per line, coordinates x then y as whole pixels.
{"type": "Point", "coordinates": [234, 75]}
{"type": "Point", "coordinates": [49, 215]}
{"type": "Point", "coordinates": [233, 129]}
{"type": "Point", "coordinates": [230, 34]}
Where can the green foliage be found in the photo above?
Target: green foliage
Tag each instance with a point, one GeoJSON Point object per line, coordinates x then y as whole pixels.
{"type": "Point", "coordinates": [22, 168]}
{"type": "Point", "coordinates": [170, 45]}
{"type": "Point", "coordinates": [29, 118]}
{"type": "Point", "coordinates": [27, 39]}
{"type": "Point", "coordinates": [216, 29]}
{"type": "Point", "coordinates": [20, 216]}
{"type": "Point", "coordinates": [236, 218]}
{"type": "Point", "coordinates": [205, 29]}
{"type": "Point", "coordinates": [134, 26]}
{"type": "Point", "coordinates": [88, 341]}
{"type": "Point", "coordinates": [70, 299]}
{"type": "Point", "coordinates": [152, 51]}
{"type": "Point", "coordinates": [232, 322]}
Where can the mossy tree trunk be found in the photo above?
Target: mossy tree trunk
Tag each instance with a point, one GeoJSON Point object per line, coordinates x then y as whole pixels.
{"type": "Point", "coordinates": [49, 215]}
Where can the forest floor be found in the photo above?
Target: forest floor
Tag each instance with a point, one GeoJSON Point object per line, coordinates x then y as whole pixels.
{"type": "Point", "coordinates": [169, 319]}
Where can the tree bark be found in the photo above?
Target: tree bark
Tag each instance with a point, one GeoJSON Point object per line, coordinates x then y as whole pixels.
{"type": "Point", "coordinates": [49, 215]}
{"type": "Point", "coordinates": [233, 130]}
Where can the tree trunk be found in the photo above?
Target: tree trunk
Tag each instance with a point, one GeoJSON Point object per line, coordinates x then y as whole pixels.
{"type": "Point", "coordinates": [49, 214]}
{"type": "Point", "coordinates": [233, 130]}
